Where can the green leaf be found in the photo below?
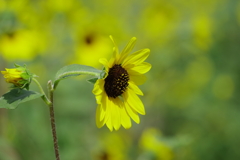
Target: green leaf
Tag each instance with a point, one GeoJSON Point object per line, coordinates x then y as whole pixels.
{"type": "Point", "coordinates": [15, 97]}
{"type": "Point", "coordinates": [75, 70]}
{"type": "Point", "coordinates": [92, 80]}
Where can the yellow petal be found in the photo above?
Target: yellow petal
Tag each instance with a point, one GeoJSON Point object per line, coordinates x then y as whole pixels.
{"type": "Point", "coordinates": [109, 124]}
{"type": "Point", "coordinates": [125, 119]}
{"type": "Point", "coordinates": [136, 57]}
{"type": "Point", "coordinates": [104, 62]}
{"type": "Point", "coordinates": [140, 69]}
{"type": "Point", "coordinates": [127, 49]}
{"type": "Point", "coordinates": [15, 76]}
{"type": "Point", "coordinates": [115, 115]}
{"type": "Point", "coordinates": [135, 88]}
{"type": "Point", "coordinates": [133, 100]}
{"type": "Point", "coordinates": [109, 114]}
{"type": "Point", "coordinates": [101, 113]}
{"type": "Point", "coordinates": [115, 46]}
{"type": "Point", "coordinates": [138, 79]}
{"type": "Point", "coordinates": [98, 87]}
{"type": "Point", "coordinates": [13, 71]}
{"type": "Point", "coordinates": [99, 98]}
{"type": "Point", "coordinates": [133, 114]}
{"type": "Point", "coordinates": [4, 72]}
{"type": "Point", "coordinates": [111, 63]}
{"type": "Point", "coordinates": [99, 123]}
{"type": "Point", "coordinates": [115, 53]}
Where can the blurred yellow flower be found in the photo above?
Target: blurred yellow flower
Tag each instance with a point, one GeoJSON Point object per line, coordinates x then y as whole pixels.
{"type": "Point", "coordinates": [60, 5]}
{"type": "Point", "coordinates": [2, 5]}
{"type": "Point", "coordinates": [165, 14]}
{"type": "Point", "coordinates": [21, 45]}
{"type": "Point", "coordinates": [116, 93]}
{"type": "Point", "coordinates": [119, 151]}
{"type": "Point", "coordinates": [91, 48]}
{"type": "Point", "coordinates": [150, 142]}
{"type": "Point", "coordinates": [202, 30]}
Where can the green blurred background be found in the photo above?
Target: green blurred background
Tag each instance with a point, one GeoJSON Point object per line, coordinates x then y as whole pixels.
{"type": "Point", "coordinates": [191, 96]}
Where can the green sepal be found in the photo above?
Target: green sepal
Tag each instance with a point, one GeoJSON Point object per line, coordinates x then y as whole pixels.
{"type": "Point", "coordinates": [26, 77]}
{"type": "Point", "coordinates": [92, 80]}
{"type": "Point", "coordinates": [14, 97]}
{"type": "Point", "coordinates": [17, 65]}
{"type": "Point", "coordinates": [74, 70]}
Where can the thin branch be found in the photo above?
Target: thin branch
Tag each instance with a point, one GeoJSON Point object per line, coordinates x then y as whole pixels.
{"type": "Point", "coordinates": [44, 97]}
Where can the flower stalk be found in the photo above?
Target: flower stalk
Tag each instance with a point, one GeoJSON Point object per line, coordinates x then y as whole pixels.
{"type": "Point", "coordinates": [52, 119]}
{"type": "Point", "coordinates": [49, 102]}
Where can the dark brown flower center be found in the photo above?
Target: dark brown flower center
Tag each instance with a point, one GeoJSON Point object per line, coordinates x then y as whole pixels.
{"type": "Point", "coordinates": [116, 81]}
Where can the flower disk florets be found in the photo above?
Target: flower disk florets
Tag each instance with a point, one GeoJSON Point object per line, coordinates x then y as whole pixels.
{"type": "Point", "coordinates": [117, 81]}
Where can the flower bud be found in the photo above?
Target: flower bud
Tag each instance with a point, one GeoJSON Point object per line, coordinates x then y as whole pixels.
{"type": "Point", "coordinates": [20, 77]}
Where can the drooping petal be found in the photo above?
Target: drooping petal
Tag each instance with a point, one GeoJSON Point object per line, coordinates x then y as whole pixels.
{"type": "Point", "coordinates": [135, 88]}
{"type": "Point", "coordinates": [140, 69]}
{"type": "Point", "coordinates": [109, 124]}
{"type": "Point", "coordinates": [99, 98]}
{"type": "Point", "coordinates": [104, 106]}
{"type": "Point", "coordinates": [104, 101]}
{"type": "Point", "coordinates": [99, 122]}
{"type": "Point", "coordinates": [125, 119]}
{"type": "Point", "coordinates": [109, 115]}
{"type": "Point", "coordinates": [138, 79]}
{"type": "Point", "coordinates": [105, 63]}
{"type": "Point", "coordinates": [98, 87]}
{"type": "Point", "coordinates": [133, 114]}
{"type": "Point", "coordinates": [116, 115]}
{"type": "Point", "coordinates": [133, 100]}
{"type": "Point", "coordinates": [136, 57]}
{"type": "Point", "coordinates": [127, 49]}
{"type": "Point", "coordinates": [102, 113]}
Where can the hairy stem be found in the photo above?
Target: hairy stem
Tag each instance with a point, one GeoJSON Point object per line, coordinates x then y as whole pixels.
{"type": "Point", "coordinates": [52, 118]}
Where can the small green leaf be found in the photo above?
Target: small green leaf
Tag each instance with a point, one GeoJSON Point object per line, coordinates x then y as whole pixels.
{"type": "Point", "coordinates": [92, 80]}
{"type": "Point", "coordinates": [75, 70]}
{"type": "Point", "coordinates": [15, 97]}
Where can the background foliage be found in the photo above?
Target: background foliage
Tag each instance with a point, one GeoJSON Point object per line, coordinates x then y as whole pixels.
{"type": "Point", "coordinates": [191, 96]}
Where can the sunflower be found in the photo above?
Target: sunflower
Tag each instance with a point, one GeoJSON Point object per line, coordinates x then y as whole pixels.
{"type": "Point", "coordinates": [117, 91]}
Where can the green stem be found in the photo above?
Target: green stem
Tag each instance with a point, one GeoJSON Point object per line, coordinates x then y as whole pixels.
{"type": "Point", "coordinates": [49, 102]}
{"type": "Point", "coordinates": [44, 97]}
{"type": "Point", "coordinates": [52, 118]}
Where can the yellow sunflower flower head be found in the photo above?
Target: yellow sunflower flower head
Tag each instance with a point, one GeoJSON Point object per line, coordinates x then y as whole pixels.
{"type": "Point", "coordinates": [20, 77]}
{"type": "Point", "coordinates": [117, 91]}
